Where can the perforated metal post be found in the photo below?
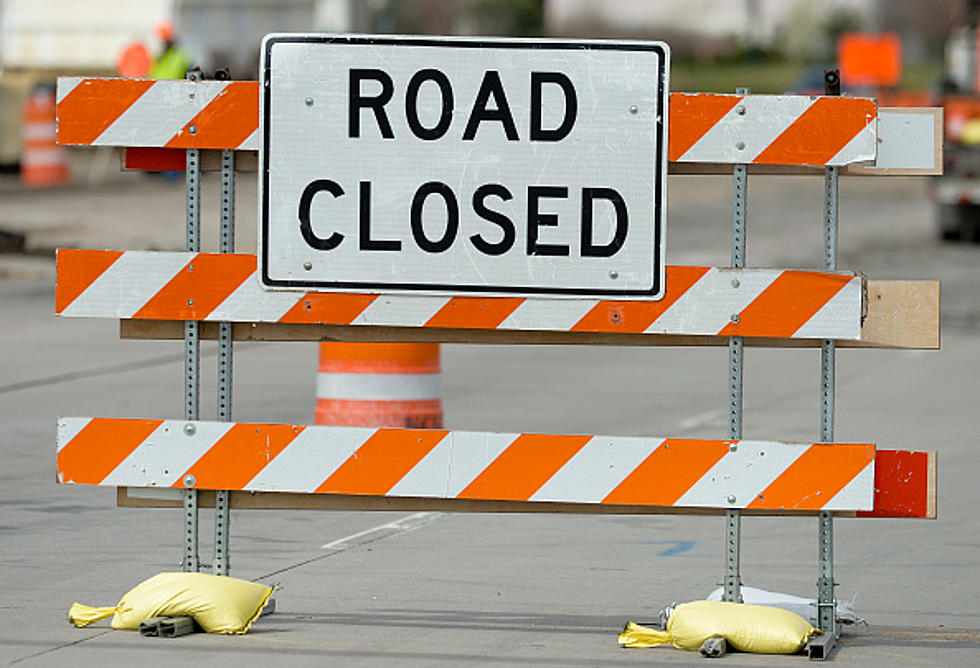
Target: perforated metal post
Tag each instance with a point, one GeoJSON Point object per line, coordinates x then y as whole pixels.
{"type": "Point", "coordinates": [826, 603]}
{"type": "Point", "coordinates": [733, 518]}
{"type": "Point", "coordinates": [192, 356]}
{"type": "Point", "coordinates": [222, 519]}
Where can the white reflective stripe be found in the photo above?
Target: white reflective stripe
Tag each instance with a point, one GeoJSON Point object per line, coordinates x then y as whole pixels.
{"type": "Point", "coordinates": [400, 310]}
{"type": "Point", "coordinates": [69, 428]}
{"type": "Point", "coordinates": [38, 130]}
{"type": "Point", "coordinates": [863, 147]}
{"type": "Point", "coordinates": [251, 143]}
{"type": "Point", "coordinates": [596, 470]}
{"type": "Point", "coordinates": [858, 494]}
{"type": "Point", "coordinates": [128, 284]}
{"type": "Point", "coordinates": [310, 459]}
{"type": "Point", "coordinates": [163, 457]}
{"type": "Point", "coordinates": [837, 318]}
{"type": "Point", "coordinates": [559, 314]}
{"type": "Point", "coordinates": [453, 464]}
{"type": "Point", "coordinates": [43, 157]}
{"type": "Point", "coordinates": [249, 302]}
{"type": "Point", "coordinates": [765, 118]}
{"type": "Point", "coordinates": [160, 113]}
{"type": "Point", "coordinates": [742, 474]}
{"type": "Point", "coordinates": [378, 386]}
{"type": "Point", "coordinates": [708, 306]}
{"type": "Point", "coordinates": [65, 86]}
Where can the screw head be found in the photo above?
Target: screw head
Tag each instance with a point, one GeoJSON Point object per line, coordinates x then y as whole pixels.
{"type": "Point", "coordinates": [309, 102]}
{"type": "Point", "coordinates": [613, 274]}
{"type": "Point", "coordinates": [634, 109]}
{"type": "Point", "coordinates": [307, 266]}
{"type": "Point", "coordinates": [731, 497]}
{"type": "Point", "coordinates": [735, 283]}
{"type": "Point", "coordinates": [733, 448]}
{"type": "Point", "coordinates": [190, 429]}
{"type": "Point", "coordinates": [192, 129]}
{"type": "Point", "coordinates": [189, 481]}
{"type": "Point", "coordinates": [740, 110]}
{"type": "Point", "coordinates": [735, 317]}
{"type": "Point", "coordinates": [190, 302]}
{"type": "Point", "coordinates": [740, 145]}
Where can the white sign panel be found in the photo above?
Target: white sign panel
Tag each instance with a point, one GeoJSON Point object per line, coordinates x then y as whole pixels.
{"type": "Point", "coordinates": [440, 165]}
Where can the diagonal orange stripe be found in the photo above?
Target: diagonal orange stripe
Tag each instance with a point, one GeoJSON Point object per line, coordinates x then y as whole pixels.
{"type": "Point", "coordinates": [787, 304]}
{"type": "Point", "coordinates": [527, 464]}
{"type": "Point", "coordinates": [691, 116]}
{"type": "Point", "coordinates": [199, 287]}
{"type": "Point", "coordinates": [240, 455]}
{"type": "Point", "coordinates": [100, 447]}
{"type": "Point", "coordinates": [77, 270]}
{"type": "Point", "coordinates": [95, 104]}
{"type": "Point", "coordinates": [333, 308]}
{"type": "Point", "coordinates": [226, 122]}
{"type": "Point", "coordinates": [815, 477]}
{"type": "Point", "coordinates": [820, 132]}
{"type": "Point", "coordinates": [670, 471]}
{"type": "Point", "coordinates": [475, 312]}
{"type": "Point", "coordinates": [633, 317]}
{"type": "Point", "coordinates": [382, 461]}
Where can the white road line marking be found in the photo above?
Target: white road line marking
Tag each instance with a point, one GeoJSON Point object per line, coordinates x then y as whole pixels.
{"type": "Point", "coordinates": [403, 525]}
{"type": "Point", "coordinates": [701, 419]}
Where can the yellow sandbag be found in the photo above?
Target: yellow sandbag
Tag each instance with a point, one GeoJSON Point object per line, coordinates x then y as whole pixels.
{"type": "Point", "coordinates": [218, 604]}
{"type": "Point", "coordinates": [635, 635]}
{"type": "Point", "coordinates": [748, 628]}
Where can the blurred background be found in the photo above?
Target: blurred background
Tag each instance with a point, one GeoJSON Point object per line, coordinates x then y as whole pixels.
{"type": "Point", "coordinates": [767, 44]}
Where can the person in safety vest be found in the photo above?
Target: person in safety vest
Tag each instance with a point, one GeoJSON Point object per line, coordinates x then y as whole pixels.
{"type": "Point", "coordinates": [174, 61]}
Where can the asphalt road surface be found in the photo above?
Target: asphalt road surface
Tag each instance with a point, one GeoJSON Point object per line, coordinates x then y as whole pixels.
{"type": "Point", "coordinates": [407, 589]}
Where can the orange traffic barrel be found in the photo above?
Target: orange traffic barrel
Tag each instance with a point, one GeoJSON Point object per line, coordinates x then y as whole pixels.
{"type": "Point", "coordinates": [42, 161]}
{"type": "Point", "coordinates": [379, 385]}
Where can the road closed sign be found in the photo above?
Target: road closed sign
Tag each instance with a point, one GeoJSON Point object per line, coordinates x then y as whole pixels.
{"type": "Point", "coordinates": [463, 166]}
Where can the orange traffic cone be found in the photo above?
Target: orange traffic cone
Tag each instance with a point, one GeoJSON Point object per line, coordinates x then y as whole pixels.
{"type": "Point", "coordinates": [42, 161]}
{"type": "Point", "coordinates": [379, 385]}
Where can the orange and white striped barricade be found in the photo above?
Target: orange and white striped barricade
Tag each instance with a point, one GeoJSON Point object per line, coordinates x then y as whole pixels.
{"type": "Point", "coordinates": [379, 385]}
{"type": "Point", "coordinates": [269, 465]}
{"type": "Point", "coordinates": [146, 288]}
{"type": "Point", "coordinates": [43, 163]}
{"type": "Point", "coordinates": [783, 134]}
{"type": "Point", "coordinates": [606, 473]}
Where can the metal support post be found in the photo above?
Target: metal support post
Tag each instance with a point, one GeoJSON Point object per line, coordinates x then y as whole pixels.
{"type": "Point", "coordinates": [826, 603]}
{"type": "Point", "coordinates": [222, 519]}
{"type": "Point", "coordinates": [733, 518]}
{"type": "Point", "coordinates": [192, 357]}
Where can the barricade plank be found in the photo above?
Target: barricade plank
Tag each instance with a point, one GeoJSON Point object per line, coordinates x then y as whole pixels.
{"type": "Point", "coordinates": [920, 333]}
{"type": "Point", "coordinates": [705, 131]}
{"type": "Point", "coordinates": [917, 502]}
{"type": "Point", "coordinates": [137, 112]}
{"type": "Point", "coordinates": [459, 465]}
{"type": "Point", "coordinates": [223, 288]}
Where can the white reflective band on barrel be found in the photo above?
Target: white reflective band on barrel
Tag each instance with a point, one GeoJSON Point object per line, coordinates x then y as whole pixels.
{"type": "Point", "coordinates": [378, 386]}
